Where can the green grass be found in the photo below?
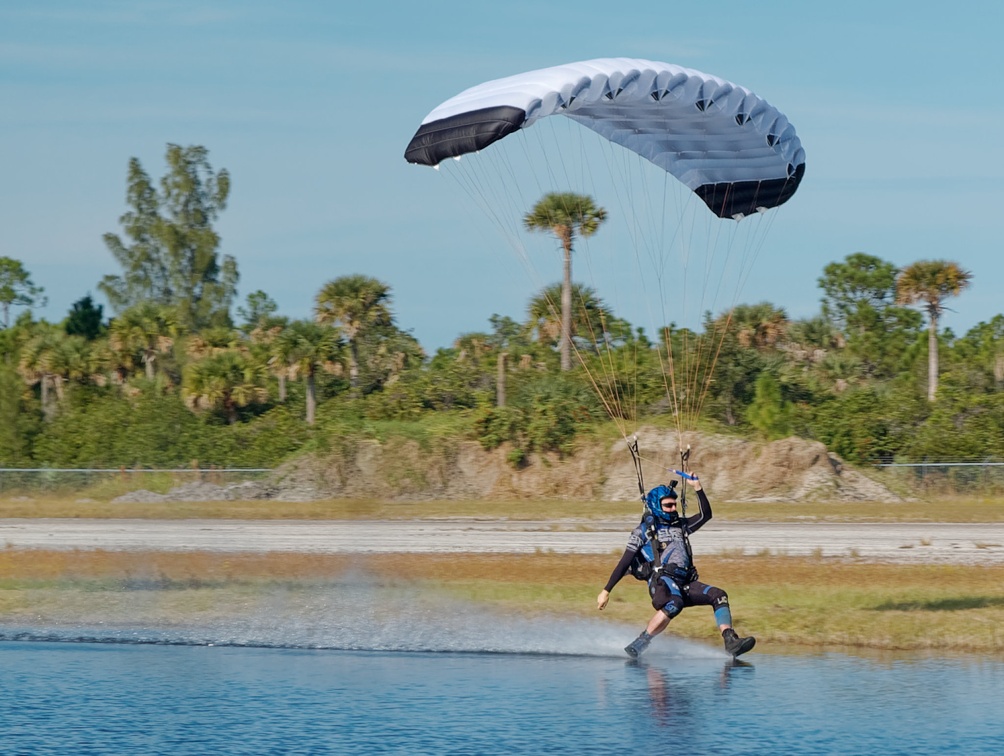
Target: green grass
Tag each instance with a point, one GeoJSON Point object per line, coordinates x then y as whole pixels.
{"type": "Point", "coordinates": [809, 602]}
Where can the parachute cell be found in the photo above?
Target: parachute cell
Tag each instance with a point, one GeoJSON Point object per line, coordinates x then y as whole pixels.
{"type": "Point", "coordinates": [732, 148]}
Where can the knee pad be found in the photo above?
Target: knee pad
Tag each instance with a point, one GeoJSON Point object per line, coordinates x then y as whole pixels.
{"type": "Point", "coordinates": [666, 597]}
{"type": "Point", "coordinates": [719, 598]}
{"type": "Point", "coordinates": [672, 608]}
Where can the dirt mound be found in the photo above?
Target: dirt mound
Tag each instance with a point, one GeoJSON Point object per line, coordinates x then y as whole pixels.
{"type": "Point", "coordinates": [732, 469]}
{"type": "Point", "coordinates": [792, 469]}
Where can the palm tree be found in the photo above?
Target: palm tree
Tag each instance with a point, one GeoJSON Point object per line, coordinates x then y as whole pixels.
{"type": "Point", "coordinates": [931, 282]}
{"type": "Point", "coordinates": [356, 304]}
{"type": "Point", "coordinates": [223, 381]}
{"type": "Point", "coordinates": [213, 340]}
{"type": "Point", "coordinates": [41, 363]}
{"type": "Point", "coordinates": [267, 348]}
{"type": "Point", "coordinates": [760, 326]}
{"type": "Point", "coordinates": [591, 324]}
{"type": "Point", "coordinates": [307, 348]}
{"type": "Point", "coordinates": [566, 214]}
{"type": "Point", "coordinates": [146, 329]}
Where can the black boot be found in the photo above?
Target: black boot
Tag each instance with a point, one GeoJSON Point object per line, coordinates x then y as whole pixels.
{"type": "Point", "coordinates": [638, 645]}
{"type": "Point", "coordinates": [736, 645]}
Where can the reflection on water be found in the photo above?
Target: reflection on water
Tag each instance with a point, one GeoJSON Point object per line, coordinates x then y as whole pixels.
{"type": "Point", "coordinates": [368, 670]}
{"type": "Point", "coordinates": [671, 701]}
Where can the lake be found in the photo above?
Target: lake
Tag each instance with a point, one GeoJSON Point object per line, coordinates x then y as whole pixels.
{"type": "Point", "coordinates": [468, 684]}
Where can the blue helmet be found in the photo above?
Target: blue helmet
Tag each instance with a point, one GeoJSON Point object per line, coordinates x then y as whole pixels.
{"type": "Point", "coordinates": [656, 495]}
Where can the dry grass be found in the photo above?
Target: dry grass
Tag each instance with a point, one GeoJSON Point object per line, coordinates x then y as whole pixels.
{"type": "Point", "coordinates": [810, 601]}
{"type": "Point", "coordinates": [955, 510]}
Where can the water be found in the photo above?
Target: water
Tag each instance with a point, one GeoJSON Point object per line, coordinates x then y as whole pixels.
{"type": "Point", "coordinates": [112, 697]}
{"type": "Point", "coordinates": [365, 668]}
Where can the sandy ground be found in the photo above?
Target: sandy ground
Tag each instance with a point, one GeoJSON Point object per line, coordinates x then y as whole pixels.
{"type": "Point", "coordinates": [962, 543]}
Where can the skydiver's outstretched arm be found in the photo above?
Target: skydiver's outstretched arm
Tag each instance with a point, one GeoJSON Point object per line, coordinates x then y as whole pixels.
{"type": "Point", "coordinates": [620, 570]}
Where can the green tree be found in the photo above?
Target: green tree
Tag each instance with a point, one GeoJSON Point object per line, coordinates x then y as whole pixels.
{"type": "Point", "coordinates": [19, 420]}
{"type": "Point", "coordinates": [544, 414]}
{"type": "Point", "coordinates": [860, 295]}
{"type": "Point", "coordinates": [355, 304]}
{"type": "Point", "coordinates": [565, 215]}
{"type": "Point", "coordinates": [592, 325]}
{"type": "Point", "coordinates": [769, 413]}
{"type": "Point", "coordinates": [980, 355]}
{"type": "Point", "coordinates": [171, 255]}
{"type": "Point", "coordinates": [16, 288]}
{"type": "Point", "coordinates": [51, 359]}
{"type": "Point", "coordinates": [224, 381]}
{"type": "Point", "coordinates": [146, 330]}
{"type": "Point", "coordinates": [259, 313]}
{"type": "Point", "coordinates": [760, 326]}
{"type": "Point", "coordinates": [307, 349]}
{"type": "Point", "coordinates": [867, 423]}
{"type": "Point", "coordinates": [85, 319]}
{"type": "Point", "coordinates": [931, 282]}
{"type": "Point", "coordinates": [715, 375]}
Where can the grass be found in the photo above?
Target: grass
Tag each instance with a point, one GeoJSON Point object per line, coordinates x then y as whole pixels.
{"type": "Point", "coordinates": [812, 602]}
{"type": "Point", "coordinates": [83, 506]}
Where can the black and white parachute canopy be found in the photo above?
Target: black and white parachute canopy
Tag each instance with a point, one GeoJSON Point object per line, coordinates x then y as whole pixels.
{"type": "Point", "coordinates": [738, 153]}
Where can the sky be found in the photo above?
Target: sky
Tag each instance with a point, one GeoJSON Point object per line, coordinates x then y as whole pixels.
{"type": "Point", "coordinates": [309, 106]}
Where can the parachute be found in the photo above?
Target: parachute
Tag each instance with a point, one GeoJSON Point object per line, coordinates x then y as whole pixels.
{"type": "Point", "coordinates": [734, 150]}
{"type": "Point", "coordinates": [665, 135]}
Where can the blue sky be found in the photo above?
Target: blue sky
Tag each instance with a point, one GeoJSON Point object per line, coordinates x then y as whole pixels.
{"type": "Point", "coordinates": [310, 105]}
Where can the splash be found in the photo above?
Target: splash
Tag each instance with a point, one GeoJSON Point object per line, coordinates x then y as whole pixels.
{"type": "Point", "coordinates": [360, 614]}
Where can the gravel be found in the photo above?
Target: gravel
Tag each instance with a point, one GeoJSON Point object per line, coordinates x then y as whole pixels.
{"type": "Point", "coordinates": [960, 543]}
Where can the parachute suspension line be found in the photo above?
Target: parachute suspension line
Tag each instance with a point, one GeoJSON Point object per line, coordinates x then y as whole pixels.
{"type": "Point", "coordinates": [717, 332]}
{"type": "Point", "coordinates": [630, 175]}
{"type": "Point", "coordinates": [605, 378]}
{"type": "Point", "coordinates": [756, 238]}
{"type": "Point", "coordinates": [671, 391]}
{"type": "Point", "coordinates": [677, 389]}
{"type": "Point", "coordinates": [483, 193]}
{"type": "Point", "coordinates": [721, 260]}
{"type": "Point", "coordinates": [605, 389]}
{"type": "Point", "coordinates": [648, 241]}
{"type": "Point", "coordinates": [703, 367]}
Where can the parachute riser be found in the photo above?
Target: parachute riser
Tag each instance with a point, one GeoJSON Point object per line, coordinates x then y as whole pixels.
{"type": "Point", "coordinates": [633, 448]}
{"type": "Point", "coordinates": [685, 471]}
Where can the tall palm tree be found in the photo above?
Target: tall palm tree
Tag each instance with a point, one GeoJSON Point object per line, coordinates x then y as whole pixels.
{"type": "Point", "coordinates": [590, 323]}
{"type": "Point", "coordinates": [41, 363]}
{"type": "Point", "coordinates": [356, 304]}
{"type": "Point", "coordinates": [566, 214]}
{"type": "Point", "coordinates": [931, 282]}
{"type": "Point", "coordinates": [307, 348]}
{"type": "Point", "coordinates": [267, 348]}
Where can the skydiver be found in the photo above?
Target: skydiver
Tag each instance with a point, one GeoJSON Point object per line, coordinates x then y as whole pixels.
{"type": "Point", "coordinates": [659, 550]}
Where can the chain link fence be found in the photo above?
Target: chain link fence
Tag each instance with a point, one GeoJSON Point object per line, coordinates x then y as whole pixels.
{"type": "Point", "coordinates": [107, 482]}
{"type": "Point", "coordinates": [983, 477]}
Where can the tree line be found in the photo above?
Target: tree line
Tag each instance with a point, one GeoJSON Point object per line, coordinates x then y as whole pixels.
{"type": "Point", "coordinates": [174, 378]}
